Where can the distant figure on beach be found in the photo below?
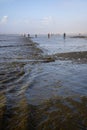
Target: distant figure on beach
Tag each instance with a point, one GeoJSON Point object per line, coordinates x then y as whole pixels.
{"type": "Point", "coordinates": [48, 35]}
{"type": "Point", "coordinates": [35, 35]}
{"type": "Point", "coordinates": [24, 35]}
{"type": "Point", "coordinates": [28, 35]}
{"type": "Point", "coordinates": [64, 35]}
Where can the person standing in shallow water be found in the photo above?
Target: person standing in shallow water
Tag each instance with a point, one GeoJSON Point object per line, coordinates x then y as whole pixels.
{"type": "Point", "coordinates": [35, 35]}
{"type": "Point", "coordinates": [28, 35]}
{"type": "Point", "coordinates": [64, 35]}
{"type": "Point", "coordinates": [48, 35]}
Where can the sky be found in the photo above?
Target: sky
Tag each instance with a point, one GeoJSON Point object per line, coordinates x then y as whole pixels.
{"type": "Point", "coordinates": [43, 16]}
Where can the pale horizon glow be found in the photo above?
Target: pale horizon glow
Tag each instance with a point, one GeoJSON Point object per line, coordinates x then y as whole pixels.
{"type": "Point", "coordinates": [38, 16]}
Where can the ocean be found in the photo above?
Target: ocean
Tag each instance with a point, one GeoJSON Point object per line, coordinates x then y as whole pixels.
{"type": "Point", "coordinates": [57, 44]}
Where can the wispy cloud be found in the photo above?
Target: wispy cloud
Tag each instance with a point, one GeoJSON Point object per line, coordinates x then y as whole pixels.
{"type": "Point", "coordinates": [4, 20]}
{"type": "Point", "coordinates": [46, 20]}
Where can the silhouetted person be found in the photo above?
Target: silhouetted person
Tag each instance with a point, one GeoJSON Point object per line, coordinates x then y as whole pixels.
{"type": "Point", "coordinates": [48, 35]}
{"type": "Point", "coordinates": [64, 35]}
{"type": "Point", "coordinates": [35, 35]}
{"type": "Point", "coordinates": [24, 35]}
{"type": "Point", "coordinates": [28, 35]}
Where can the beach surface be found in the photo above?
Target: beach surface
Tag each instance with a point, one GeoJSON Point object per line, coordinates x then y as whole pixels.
{"type": "Point", "coordinates": [40, 91]}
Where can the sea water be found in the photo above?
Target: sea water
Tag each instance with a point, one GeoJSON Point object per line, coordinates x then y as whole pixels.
{"type": "Point", "coordinates": [38, 95]}
{"type": "Point", "coordinates": [59, 44]}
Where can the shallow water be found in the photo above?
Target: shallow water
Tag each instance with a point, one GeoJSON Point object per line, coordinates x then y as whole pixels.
{"type": "Point", "coordinates": [39, 96]}
{"type": "Point", "coordinates": [57, 44]}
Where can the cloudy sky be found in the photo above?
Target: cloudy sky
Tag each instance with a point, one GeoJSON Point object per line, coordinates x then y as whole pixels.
{"type": "Point", "coordinates": [43, 16]}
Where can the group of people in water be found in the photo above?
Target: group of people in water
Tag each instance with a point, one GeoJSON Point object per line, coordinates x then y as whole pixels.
{"type": "Point", "coordinates": [64, 35]}
{"type": "Point", "coordinates": [49, 35]}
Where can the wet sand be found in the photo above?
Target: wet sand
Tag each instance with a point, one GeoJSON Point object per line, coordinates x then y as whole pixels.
{"type": "Point", "coordinates": [80, 57]}
{"type": "Point", "coordinates": [28, 98]}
